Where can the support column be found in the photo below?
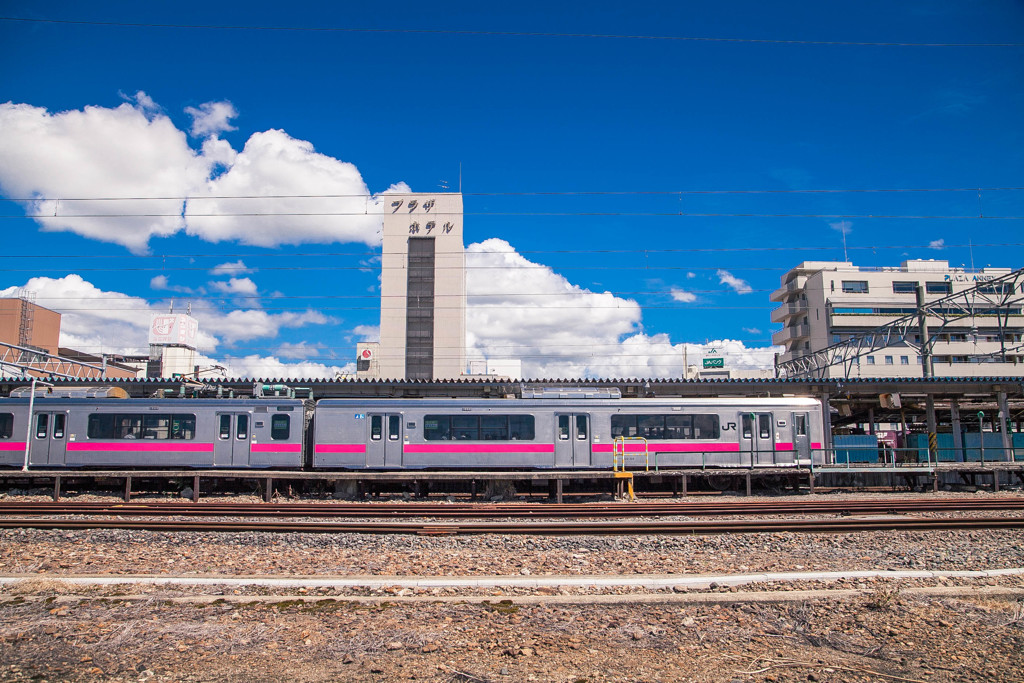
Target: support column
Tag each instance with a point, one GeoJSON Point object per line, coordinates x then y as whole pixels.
{"type": "Point", "coordinates": [958, 435]}
{"type": "Point", "coordinates": [56, 488]}
{"type": "Point", "coordinates": [871, 420]}
{"type": "Point", "coordinates": [933, 445]}
{"type": "Point", "coordinates": [195, 489]}
{"type": "Point", "coordinates": [748, 483]}
{"type": "Point", "coordinates": [268, 491]}
{"type": "Point", "coordinates": [826, 426]}
{"type": "Point", "coordinates": [1004, 412]}
{"type": "Point", "coordinates": [558, 490]}
{"type": "Point", "coordinates": [686, 484]}
{"type": "Point", "coordinates": [128, 489]}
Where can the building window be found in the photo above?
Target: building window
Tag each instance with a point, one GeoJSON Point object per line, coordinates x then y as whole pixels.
{"type": "Point", "coordinates": [419, 311]}
{"type": "Point", "coordinates": [904, 287]}
{"type": "Point", "coordinates": [871, 360]}
{"type": "Point", "coordinates": [919, 361]}
{"type": "Point", "coordinates": [904, 360]}
{"type": "Point", "coordinates": [938, 287]}
{"type": "Point", "coordinates": [888, 360]}
{"type": "Point", "coordinates": [855, 286]}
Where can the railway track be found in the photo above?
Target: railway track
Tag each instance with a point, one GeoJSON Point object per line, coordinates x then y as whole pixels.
{"type": "Point", "coordinates": [562, 528]}
{"type": "Point", "coordinates": [515, 510]}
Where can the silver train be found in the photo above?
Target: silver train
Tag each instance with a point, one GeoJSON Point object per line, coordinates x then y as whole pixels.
{"type": "Point", "coordinates": [395, 434]}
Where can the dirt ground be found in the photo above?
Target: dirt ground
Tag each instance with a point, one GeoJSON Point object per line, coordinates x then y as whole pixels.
{"type": "Point", "coordinates": [885, 633]}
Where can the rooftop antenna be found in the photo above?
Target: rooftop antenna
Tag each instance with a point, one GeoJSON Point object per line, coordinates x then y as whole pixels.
{"type": "Point", "coordinates": [970, 244]}
{"type": "Point", "coordinates": [842, 229]}
{"type": "Point", "coordinates": [171, 309]}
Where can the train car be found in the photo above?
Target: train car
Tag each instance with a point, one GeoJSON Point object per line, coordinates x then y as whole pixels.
{"type": "Point", "coordinates": [567, 433]}
{"type": "Point", "coordinates": [105, 432]}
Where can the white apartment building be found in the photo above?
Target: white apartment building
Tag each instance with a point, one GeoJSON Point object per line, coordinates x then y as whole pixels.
{"type": "Point", "coordinates": [422, 290]}
{"type": "Point", "coordinates": [824, 303]}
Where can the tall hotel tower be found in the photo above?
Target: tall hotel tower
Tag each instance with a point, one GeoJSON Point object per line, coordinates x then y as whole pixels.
{"type": "Point", "coordinates": [422, 290]}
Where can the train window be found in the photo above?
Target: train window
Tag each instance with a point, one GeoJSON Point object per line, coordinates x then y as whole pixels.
{"type": "Point", "coordinates": [162, 427]}
{"type": "Point", "coordinates": [651, 426]}
{"type": "Point", "coordinates": [705, 427]}
{"type": "Point", "coordinates": [242, 431]}
{"type": "Point", "coordinates": [679, 427]}
{"type": "Point", "coordinates": [376, 427]}
{"type": "Point", "coordinates": [479, 427]}
{"type": "Point", "coordinates": [225, 427]}
{"type": "Point", "coordinates": [581, 427]}
{"type": "Point", "coordinates": [748, 427]}
{"type": "Point", "coordinates": [58, 425]}
{"type": "Point", "coordinates": [623, 425]}
{"type": "Point", "coordinates": [42, 422]}
{"type": "Point", "coordinates": [6, 425]}
{"type": "Point", "coordinates": [764, 426]}
{"type": "Point", "coordinates": [494, 428]}
{"type": "Point", "coordinates": [394, 427]}
{"type": "Point", "coordinates": [800, 424]}
{"type": "Point", "coordinates": [520, 427]}
{"type": "Point", "coordinates": [280, 427]}
{"type": "Point", "coordinates": [563, 427]}
{"type": "Point", "coordinates": [465, 428]}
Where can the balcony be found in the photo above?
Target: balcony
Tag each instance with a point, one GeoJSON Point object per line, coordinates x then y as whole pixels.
{"type": "Point", "coordinates": [786, 311]}
{"type": "Point", "coordinates": [793, 285]}
{"type": "Point", "coordinates": [788, 334]}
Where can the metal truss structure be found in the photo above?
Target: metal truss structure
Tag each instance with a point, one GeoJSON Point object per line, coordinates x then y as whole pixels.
{"type": "Point", "coordinates": [27, 362]}
{"type": "Point", "coordinates": [988, 300]}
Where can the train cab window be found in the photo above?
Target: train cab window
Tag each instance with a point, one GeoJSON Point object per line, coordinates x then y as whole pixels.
{"type": "Point", "coordinates": [6, 425]}
{"type": "Point", "coordinates": [394, 427]}
{"type": "Point", "coordinates": [280, 427]}
{"type": "Point", "coordinates": [581, 428]}
{"type": "Point", "coordinates": [42, 423]}
{"type": "Point", "coordinates": [764, 426]}
{"type": "Point", "coordinates": [376, 427]}
{"type": "Point", "coordinates": [58, 425]}
{"type": "Point", "coordinates": [225, 427]}
{"type": "Point", "coordinates": [747, 427]}
{"type": "Point", "coordinates": [563, 427]}
{"type": "Point", "coordinates": [242, 432]}
{"type": "Point", "coordinates": [800, 424]}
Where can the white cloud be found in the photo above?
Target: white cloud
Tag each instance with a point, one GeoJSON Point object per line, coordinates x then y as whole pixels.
{"type": "Point", "coordinates": [235, 286]}
{"type": "Point", "coordinates": [752, 330]}
{"type": "Point", "coordinates": [92, 320]}
{"type": "Point", "coordinates": [683, 295]}
{"type": "Point", "coordinates": [312, 198]}
{"type": "Point", "coordinates": [520, 309]}
{"type": "Point", "coordinates": [162, 282]}
{"type": "Point", "coordinates": [690, 276]}
{"type": "Point", "coordinates": [842, 227]}
{"type": "Point", "coordinates": [246, 324]}
{"type": "Point", "coordinates": [738, 285]}
{"type": "Point", "coordinates": [937, 244]}
{"type": "Point", "coordinates": [269, 367]}
{"type": "Point", "coordinates": [302, 349]}
{"type": "Point", "coordinates": [367, 333]}
{"type": "Point", "coordinates": [232, 268]}
{"type": "Point", "coordinates": [158, 282]}
{"type": "Point", "coordinates": [212, 118]}
{"type": "Point", "coordinates": [128, 151]}
{"type": "Point", "coordinates": [134, 150]}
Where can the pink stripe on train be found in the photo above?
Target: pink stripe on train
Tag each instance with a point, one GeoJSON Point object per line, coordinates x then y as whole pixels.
{"type": "Point", "coordinates": [340, 448]}
{"type": "Point", "coordinates": [477, 447]}
{"type": "Point", "coordinates": [633, 447]}
{"type": "Point", "coordinates": [276, 448]}
{"type": "Point", "coordinates": [142, 446]}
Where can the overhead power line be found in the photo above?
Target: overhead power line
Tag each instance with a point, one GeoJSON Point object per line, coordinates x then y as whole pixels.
{"type": "Point", "coordinates": [522, 214]}
{"type": "Point", "coordinates": [500, 34]}
{"type": "Point", "coordinates": [534, 193]}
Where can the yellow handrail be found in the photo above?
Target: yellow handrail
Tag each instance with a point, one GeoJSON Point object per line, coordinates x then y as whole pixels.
{"type": "Point", "coordinates": [619, 451]}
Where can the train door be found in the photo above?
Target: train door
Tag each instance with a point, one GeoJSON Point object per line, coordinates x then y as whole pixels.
{"type": "Point", "coordinates": [572, 440]}
{"type": "Point", "coordinates": [49, 441]}
{"type": "Point", "coordinates": [802, 438]}
{"type": "Point", "coordinates": [234, 434]}
{"type": "Point", "coordinates": [384, 442]}
{"type": "Point", "coordinates": [757, 439]}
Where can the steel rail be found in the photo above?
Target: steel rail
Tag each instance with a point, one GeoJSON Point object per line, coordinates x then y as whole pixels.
{"type": "Point", "coordinates": [841, 525]}
{"type": "Point", "coordinates": [549, 510]}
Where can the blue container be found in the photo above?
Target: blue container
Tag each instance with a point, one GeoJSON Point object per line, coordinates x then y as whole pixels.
{"type": "Point", "coordinates": [918, 445]}
{"type": "Point", "coordinates": [856, 448]}
{"type": "Point", "coordinates": [993, 443]}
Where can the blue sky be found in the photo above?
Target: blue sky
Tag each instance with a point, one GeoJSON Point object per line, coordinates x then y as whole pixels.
{"type": "Point", "coordinates": [578, 149]}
